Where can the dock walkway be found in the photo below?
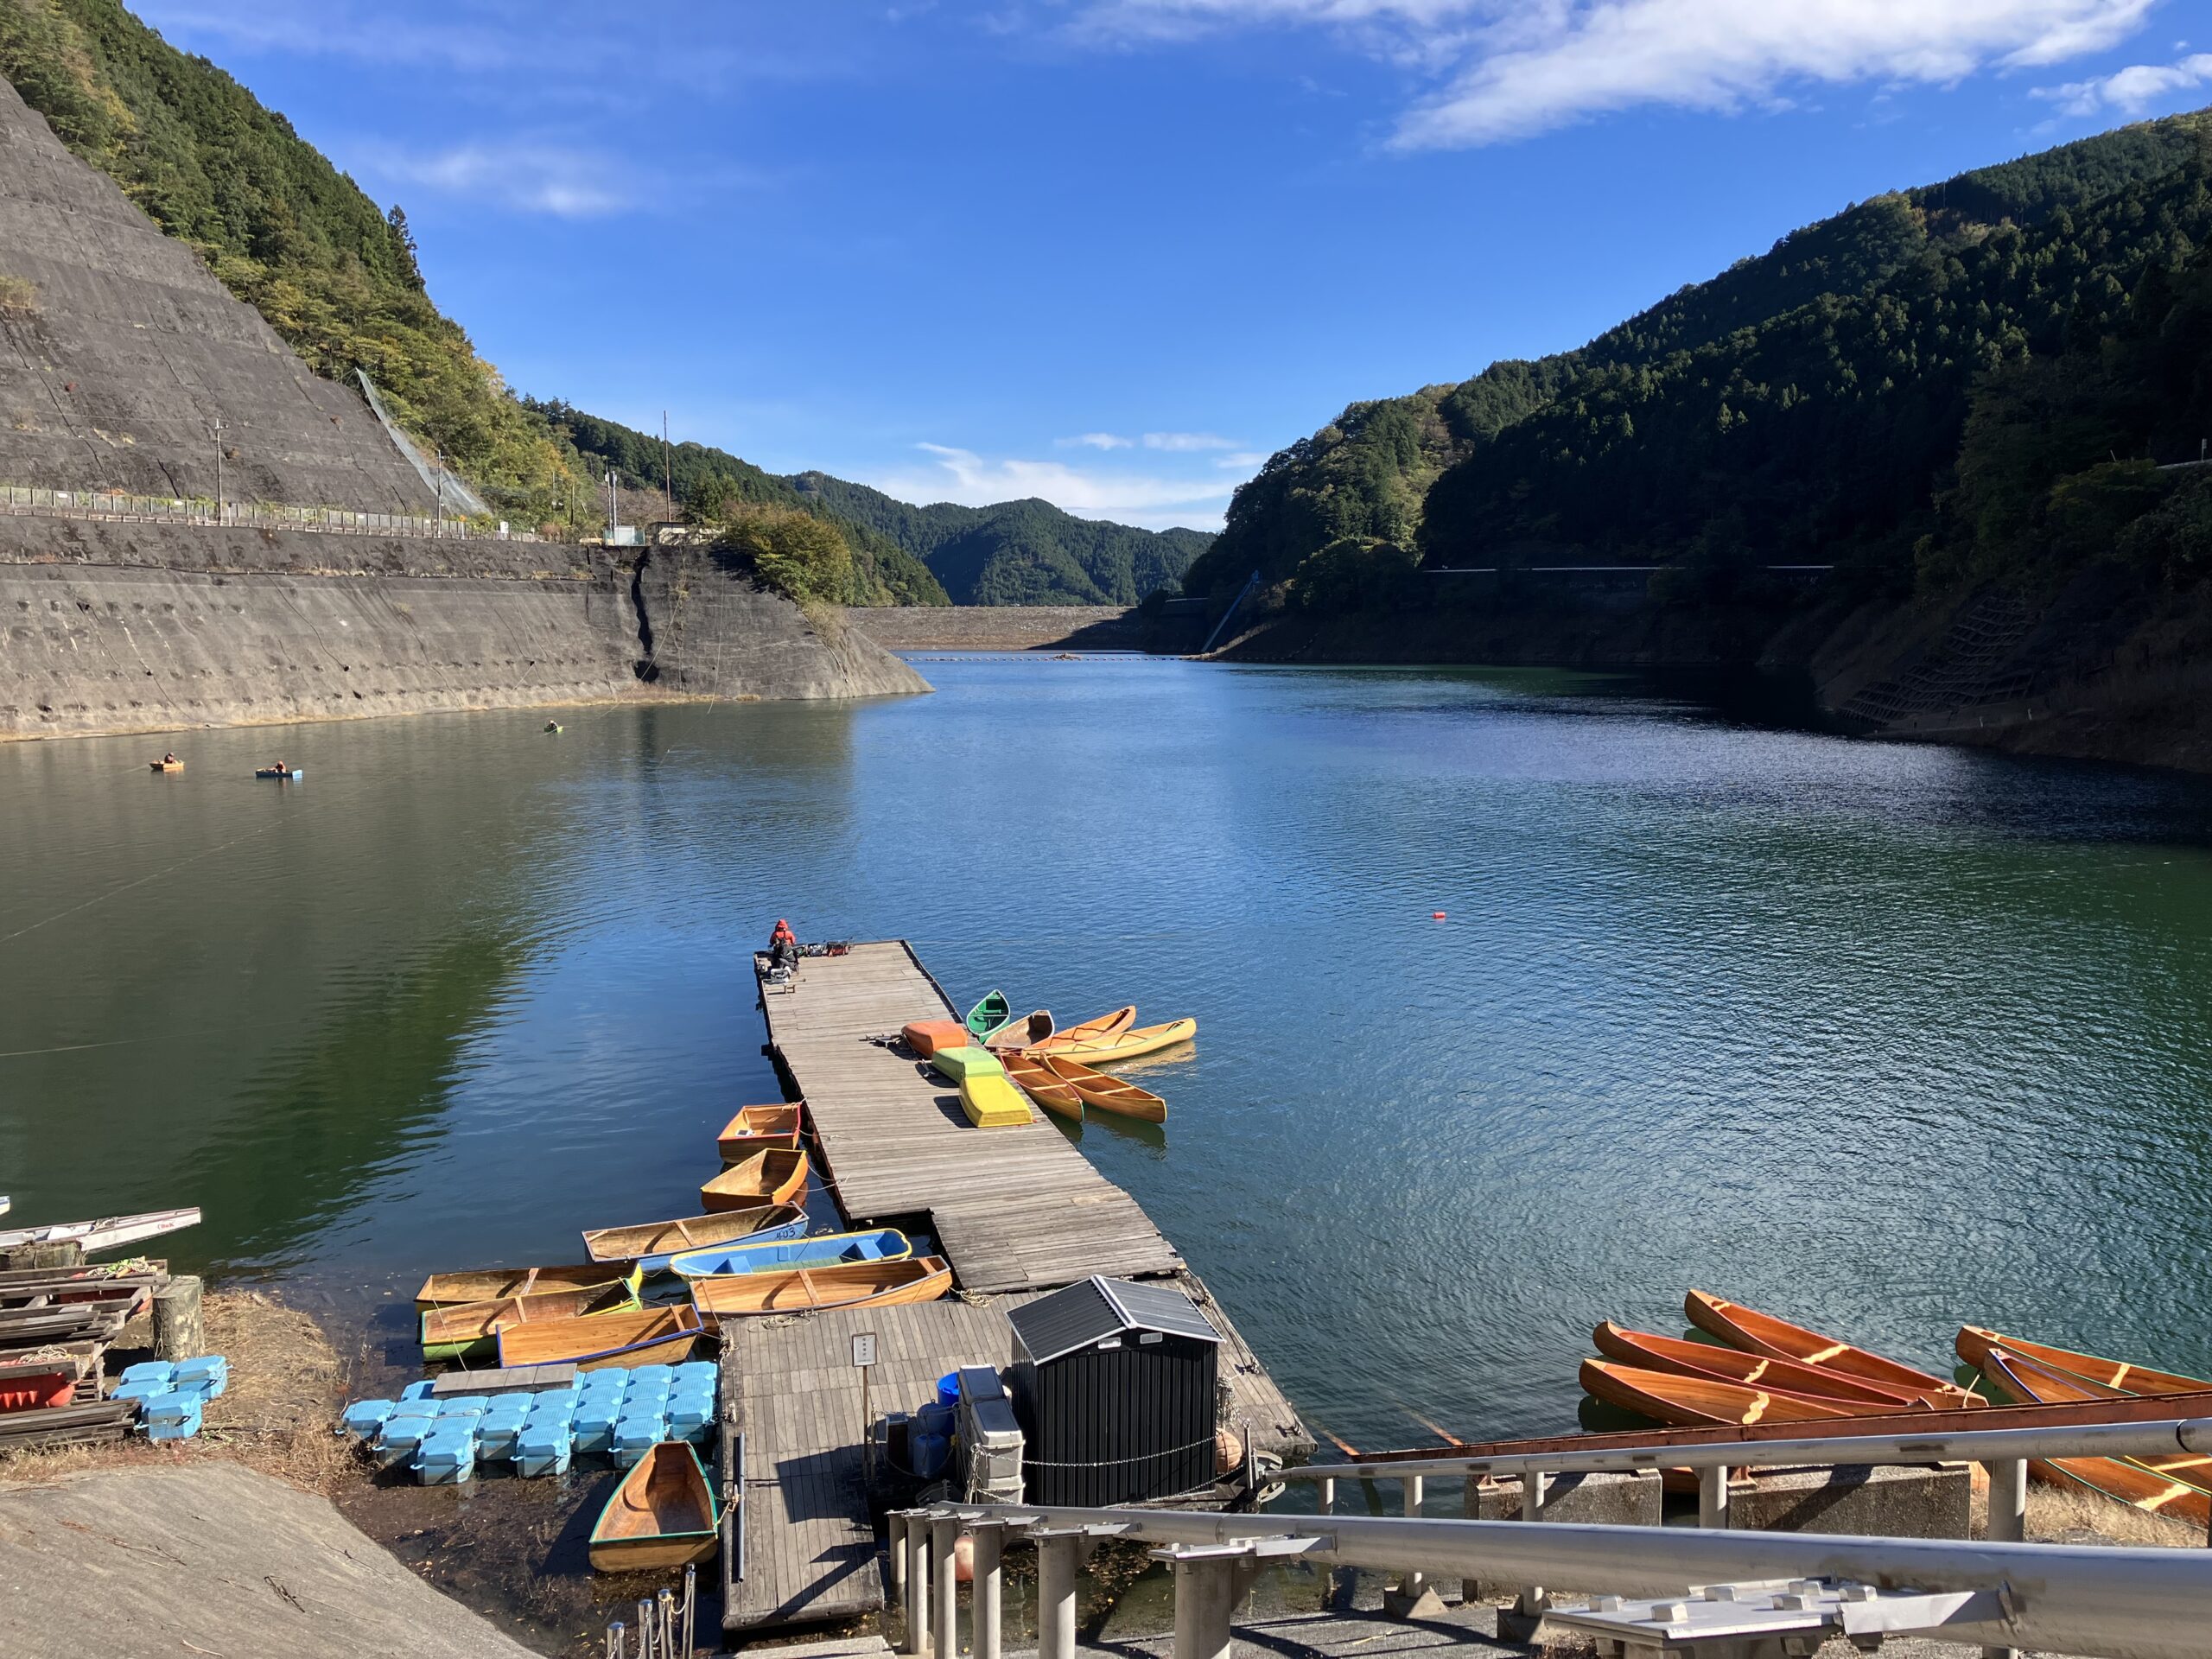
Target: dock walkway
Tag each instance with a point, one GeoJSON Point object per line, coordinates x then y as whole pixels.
{"type": "Point", "coordinates": [1017, 1211]}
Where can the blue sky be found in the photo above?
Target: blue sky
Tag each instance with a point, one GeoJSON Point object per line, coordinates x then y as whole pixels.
{"type": "Point", "coordinates": [1113, 252]}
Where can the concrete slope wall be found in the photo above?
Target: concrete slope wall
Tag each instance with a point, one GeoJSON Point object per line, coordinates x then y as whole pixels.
{"type": "Point", "coordinates": [112, 377]}
{"type": "Point", "coordinates": [176, 628]}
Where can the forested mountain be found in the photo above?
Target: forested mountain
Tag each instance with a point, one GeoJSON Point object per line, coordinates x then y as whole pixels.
{"type": "Point", "coordinates": [1018, 552]}
{"type": "Point", "coordinates": [1962, 378]}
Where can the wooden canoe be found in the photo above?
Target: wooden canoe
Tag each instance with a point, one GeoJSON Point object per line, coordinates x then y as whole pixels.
{"type": "Point", "coordinates": [166, 766]}
{"type": "Point", "coordinates": [1698, 1402]}
{"type": "Point", "coordinates": [496, 1284]}
{"type": "Point", "coordinates": [1975, 1343]}
{"type": "Point", "coordinates": [988, 1014]}
{"type": "Point", "coordinates": [1094, 1030]}
{"type": "Point", "coordinates": [805, 1290]}
{"type": "Point", "coordinates": [661, 1517]}
{"type": "Point", "coordinates": [1653, 1352]}
{"type": "Point", "coordinates": [782, 1255]}
{"type": "Point", "coordinates": [2173, 1486]}
{"type": "Point", "coordinates": [764, 1177]}
{"type": "Point", "coordinates": [1105, 1093]}
{"type": "Point", "coordinates": [1763, 1333]}
{"type": "Point", "coordinates": [759, 1129]}
{"type": "Point", "coordinates": [109, 1233]}
{"type": "Point", "coordinates": [925, 1037]}
{"type": "Point", "coordinates": [473, 1328]}
{"type": "Point", "coordinates": [651, 1336]}
{"type": "Point", "coordinates": [650, 1244]}
{"type": "Point", "coordinates": [1020, 1033]}
{"type": "Point", "coordinates": [1041, 1086]}
{"type": "Point", "coordinates": [1128, 1044]}
{"type": "Point", "coordinates": [992, 1102]}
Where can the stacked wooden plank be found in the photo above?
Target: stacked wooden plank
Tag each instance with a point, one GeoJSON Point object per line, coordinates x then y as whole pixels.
{"type": "Point", "coordinates": [56, 1322]}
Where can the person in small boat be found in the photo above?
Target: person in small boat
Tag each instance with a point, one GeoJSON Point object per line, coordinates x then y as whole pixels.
{"type": "Point", "coordinates": [169, 759]}
{"type": "Point", "coordinates": [782, 946]}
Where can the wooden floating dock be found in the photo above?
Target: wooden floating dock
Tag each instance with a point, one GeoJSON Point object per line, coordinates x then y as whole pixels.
{"type": "Point", "coordinates": [1017, 1211]}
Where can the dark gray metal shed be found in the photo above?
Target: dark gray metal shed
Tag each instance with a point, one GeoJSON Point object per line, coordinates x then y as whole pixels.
{"type": "Point", "coordinates": [1113, 1382]}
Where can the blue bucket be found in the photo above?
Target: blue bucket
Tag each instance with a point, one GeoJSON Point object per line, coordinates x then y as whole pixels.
{"type": "Point", "coordinates": [948, 1389]}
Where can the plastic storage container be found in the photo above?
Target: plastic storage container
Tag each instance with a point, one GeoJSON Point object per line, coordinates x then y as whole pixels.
{"type": "Point", "coordinates": [542, 1447]}
{"type": "Point", "coordinates": [636, 1435]}
{"type": "Point", "coordinates": [163, 1372]}
{"type": "Point", "coordinates": [594, 1424]}
{"type": "Point", "coordinates": [447, 1456]}
{"type": "Point", "coordinates": [210, 1371]}
{"type": "Point", "coordinates": [365, 1417]}
{"type": "Point", "coordinates": [417, 1390]}
{"type": "Point", "coordinates": [172, 1416]}
{"type": "Point", "coordinates": [463, 1405]}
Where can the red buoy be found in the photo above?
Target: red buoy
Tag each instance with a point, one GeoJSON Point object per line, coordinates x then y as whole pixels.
{"type": "Point", "coordinates": [1436, 916]}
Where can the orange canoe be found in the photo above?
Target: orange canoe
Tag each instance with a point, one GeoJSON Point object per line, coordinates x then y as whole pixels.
{"type": "Point", "coordinates": [925, 1037]}
{"type": "Point", "coordinates": [1093, 1031]}
{"type": "Point", "coordinates": [759, 1129]}
{"type": "Point", "coordinates": [764, 1177]}
{"type": "Point", "coordinates": [1686, 1358]}
{"type": "Point", "coordinates": [1698, 1402]}
{"type": "Point", "coordinates": [1763, 1333]}
{"type": "Point", "coordinates": [1975, 1343]}
{"type": "Point", "coordinates": [806, 1290]}
{"type": "Point", "coordinates": [1107, 1094]}
{"type": "Point", "coordinates": [2173, 1486]}
{"type": "Point", "coordinates": [1041, 1086]}
{"type": "Point", "coordinates": [1124, 1044]}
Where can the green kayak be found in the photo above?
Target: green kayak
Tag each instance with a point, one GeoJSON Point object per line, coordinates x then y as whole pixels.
{"type": "Point", "coordinates": [987, 1015]}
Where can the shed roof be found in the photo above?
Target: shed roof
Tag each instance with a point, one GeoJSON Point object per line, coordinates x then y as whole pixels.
{"type": "Point", "coordinates": [1098, 1309]}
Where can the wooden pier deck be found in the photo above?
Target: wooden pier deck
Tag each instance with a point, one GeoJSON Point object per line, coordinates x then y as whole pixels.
{"type": "Point", "coordinates": [1017, 1211]}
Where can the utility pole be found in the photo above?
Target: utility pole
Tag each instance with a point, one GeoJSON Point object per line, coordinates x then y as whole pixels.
{"type": "Point", "coordinates": [614, 507]}
{"type": "Point", "coordinates": [219, 470]}
{"type": "Point", "coordinates": [668, 468]}
{"type": "Point", "coordinates": [442, 491]}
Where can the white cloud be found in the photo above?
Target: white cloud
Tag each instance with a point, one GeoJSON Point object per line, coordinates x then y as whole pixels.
{"type": "Point", "coordinates": [1510, 68]}
{"type": "Point", "coordinates": [1183, 443]}
{"type": "Point", "coordinates": [1151, 499]}
{"type": "Point", "coordinates": [1093, 440]}
{"type": "Point", "coordinates": [1241, 459]}
{"type": "Point", "coordinates": [522, 177]}
{"type": "Point", "coordinates": [2131, 91]}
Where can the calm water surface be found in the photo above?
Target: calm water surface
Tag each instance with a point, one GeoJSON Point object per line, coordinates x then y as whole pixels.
{"type": "Point", "coordinates": [1882, 1037]}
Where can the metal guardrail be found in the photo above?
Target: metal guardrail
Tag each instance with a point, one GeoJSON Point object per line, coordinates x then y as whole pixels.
{"type": "Point", "coordinates": [18, 500]}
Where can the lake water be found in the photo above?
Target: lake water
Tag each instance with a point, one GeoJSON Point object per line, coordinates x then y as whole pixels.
{"type": "Point", "coordinates": [1881, 1037]}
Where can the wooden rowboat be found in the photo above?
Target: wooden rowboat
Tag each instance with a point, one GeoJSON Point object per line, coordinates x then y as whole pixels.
{"type": "Point", "coordinates": [650, 1244]}
{"type": "Point", "coordinates": [925, 1037]}
{"type": "Point", "coordinates": [1107, 1094]}
{"type": "Point", "coordinates": [661, 1517]}
{"type": "Point", "coordinates": [764, 1177]}
{"type": "Point", "coordinates": [1685, 1358]}
{"type": "Point", "coordinates": [271, 771]}
{"type": "Point", "coordinates": [1697, 1402]}
{"type": "Point", "coordinates": [495, 1284]}
{"type": "Point", "coordinates": [1041, 1086]}
{"type": "Point", "coordinates": [860, 1284]}
{"type": "Point", "coordinates": [992, 1102]}
{"type": "Point", "coordinates": [1019, 1033]}
{"type": "Point", "coordinates": [651, 1336]}
{"type": "Point", "coordinates": [1975, 1343]}
{"type": "Point", "coordinates": [109, 1233]}
{"type": "Point", "coordinates": [1763, 1333]}
{"type": "Point", "coordinates": [782, 1255]}
{"type": "Point", "coordinates": [1128, 1044]}
{"type": "Point", "coordinates": [1094, 1030]}
{"type": "Point", "coordinates": [2173, 1486]}
{"type": "Point", "coordinates": [473, 1328]}
{"type": "Point", "coordinates": [759, 1129]}
{"type": "Point", "coordinates": [166, 766]}
{"type": "Point", "coordinates": [988, 1014]}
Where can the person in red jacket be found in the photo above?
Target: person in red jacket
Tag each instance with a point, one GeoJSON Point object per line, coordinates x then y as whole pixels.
{"type": "Point", "coordinates": [783, 945]}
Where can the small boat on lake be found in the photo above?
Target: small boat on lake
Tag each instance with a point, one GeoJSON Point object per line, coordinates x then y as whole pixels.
{"type": "Point", "coordinates": [1126, 1045]}
{"type": "Point", "coordinates": [1106, 1094]}
{"type": "Point", "coordinates": [272, 772]}
{"type": "Point", "coordinates": [109, 1233]}
{"type": "Point", "coordinates": [925, 1037]}
{"type": "Point", "coordinates": [955, 1064]}
{"type": "Point", "coordinates": [2175, 1485]}
{"type": "Point", "coordinates": [1763, 1333]}
{"type": "Point", "coordinates": [661, 1517]}
{"type": "Point", "coordinates": [495, 1284]}
{"type": "Point", "coordinates": [652, 1245]}
{"type": "Point", "coordinates": [759, 1129]}
{"type": "Point", "coordinates": [651, 1336]}
{"type": "Point", "coordinates": [1094, 1030]}
{"type": "Point", "coordinates": [764, 1178]}
{"type": "Point", "coordinates": [166, 766]}
{"type": "Point", "coordinates": [779, 1254]}
{"type": "Point", "coordinates": [1020, 1033]}
{"type": "Point", "coordinates": [1651, 1351]}
{"type": "Point", "coordinates": [988, 1014]}
{"type": "Point", "coordinates": [992, 1102]}
{"type": "Point", "coordinates": [804, 1290]}
{"type": "Point", "coordinates": [1975, 1343]}
{"type": "Point", "coordinates": [472, 1329]}
{"type": "Point", "coordinates": [1697, 1401]}
{"type": "Point", "coordinates": [1038, 1083]}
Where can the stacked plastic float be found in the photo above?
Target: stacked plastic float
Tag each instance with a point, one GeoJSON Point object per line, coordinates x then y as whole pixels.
{"type": "Point", "coordinates": [616, 1413]}
{"type": "Point", "coordinates": [171, 1395]}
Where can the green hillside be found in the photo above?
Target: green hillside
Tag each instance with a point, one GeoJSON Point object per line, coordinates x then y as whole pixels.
{"type": "Point", "coordinates": [1018, 552]}
{"type": "Point", "coordinates": [1834, 398]}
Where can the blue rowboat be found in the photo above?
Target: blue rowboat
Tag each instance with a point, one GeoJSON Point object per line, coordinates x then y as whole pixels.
{"type": "Point", "coordinates": [780, 1256]}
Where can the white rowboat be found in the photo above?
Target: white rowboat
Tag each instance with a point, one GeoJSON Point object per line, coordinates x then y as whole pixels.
{"type": "Point", "coordinates": [109, 1233]}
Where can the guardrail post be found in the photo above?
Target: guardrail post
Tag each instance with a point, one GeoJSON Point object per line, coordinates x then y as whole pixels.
{"type": "Point", "coordinates": [917, 1584]}
{"type": "Point", "coordinates": [895, 1548]}
{"type": "Point", "coordinates": [1205, 1598]}
{"type": "Point", "coordinates": [1056, 1565]}
{"type": "Point", "coordinates": [1713, 1497]}
{"type": "Point", "coordinates": [1532, 1600]}
{"type": "Point", "coordinates": [2008, 1518]}
{"type": "Point", "coordinates": [1413, 1583]}
{"type": "Point", "coordinates": [986, 1587]}
{"type": "Point", "coordinates": [944, 1599]}
{"type": "Point", "coordinates": [1328, 1496]}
